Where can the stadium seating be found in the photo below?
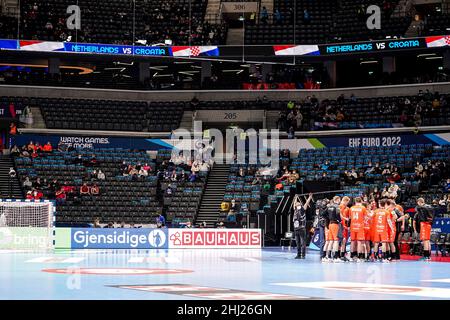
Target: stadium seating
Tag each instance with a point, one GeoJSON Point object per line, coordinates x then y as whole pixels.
{"type": "Point", "coordinates": [329, 22]}
{"type": "Point", "coordinates": [309, 161]}
{"type": "Point", "coordinates": [122, 22]}
{"type": "Point", "coordinates": [83, 114]}
{"type": "Point", "coordinates": [380, 112]}
{"type": "Point", "coordinates": [121, 197]}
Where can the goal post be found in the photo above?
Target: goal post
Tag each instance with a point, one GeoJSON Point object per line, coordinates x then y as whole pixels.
{"type": "Point", "coordinates": [26, 224]}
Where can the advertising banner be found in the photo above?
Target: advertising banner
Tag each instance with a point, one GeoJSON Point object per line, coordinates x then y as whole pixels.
{"type": "Point", "coordinates": [215, 238]}
{"type": "Point", "coordinates": [373, 46]}
{"type": "Point", "coordinates": [25, 238]}
{"type": "Point", "coordinates": [106, 238]}
{"type": "Point", "coordinates": [147, 238]}
{"type": "Point", "coordinates": [441, 225]}
{"type": "Point", "coordinates": [364, 47]}
{"type": "Point", "coordinates": [94, 142]}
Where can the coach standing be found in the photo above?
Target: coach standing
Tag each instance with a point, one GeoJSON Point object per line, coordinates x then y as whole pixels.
{"type": "Point", "coordinates": [299, 220]}
{"type": "Point", "coordinates": [424, 220]}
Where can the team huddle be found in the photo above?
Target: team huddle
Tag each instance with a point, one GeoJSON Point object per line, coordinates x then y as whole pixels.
{"type": "Point", "coordinates": [374, 229]}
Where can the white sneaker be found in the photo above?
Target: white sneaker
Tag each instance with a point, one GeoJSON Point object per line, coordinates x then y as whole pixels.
{"type": "Point", "coordinates": [385, 261]}
{"type": "Point", "coordinates": [325, 260]}
{"type": "Point", "coordinates": [337, 260]}
{"type": "Point", "coordinates": [359, 260]}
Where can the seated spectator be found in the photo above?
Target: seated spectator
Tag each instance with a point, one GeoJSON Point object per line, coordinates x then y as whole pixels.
{"type": "Point", "coordinates": [204, 167]}
{"type": "Point", "coordinates": [193, 177]}
{"type": "Point", "coordinates": [285, 175]}
{"type": "Point", "coordinates": [60, 196]}
{"type": "Point", "coordinates": [447, 186]}
{"type": "Point", "coordinates": [101, 175]}
{"type": "Point", "coordinates": [133, 171]}
{"type": "Point", "coordinates": [169, 190]}
{"type": "Point", "coordinates": [293, 177]}
{"type": "Point", "coordinates": [160, 221]}
{"type": "Point", "coordinates": [241, 172]}
{"type": "Point", "coordinates": [142, 173]}
{"type": "Point", "coordinates": [147, 168]}
{"type": "Point", "coordinates": [15, 151]}
{"type": "Point", "coordinates": [95, 190]}
{"type": "Point", "coordinates": [47, 147]}
{"type": "Point", "coordinates": [92, 161]}
{"type": "Point", "coordinates": [225, 206]}
{"type": "Point", "coordinates": [37, 184]}
{"type": "Point", "coordinates": [195, 166]}
{"type": "Point", "coordinates": [37, 195]}
{"type": "Point", "coordinates": [27, 184]}
{"type": "Point", "coordinates": [183, 176]}
{"type": "Point", "coordinates": [78, 160]}
{"type": "Point", "coordinates": [96, 223]}
{"type": "Point", "coordinates": [85, 190]}
{"type": "Point", "coordinates": [173, 176]}
{"type": "Point", "coordinates": [29, 195]}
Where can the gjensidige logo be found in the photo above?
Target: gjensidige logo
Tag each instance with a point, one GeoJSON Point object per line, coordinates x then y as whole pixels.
{"type": "Point", "coordinates": [118, 238]}
{"type": "Point", "coordinates": [157, 238]}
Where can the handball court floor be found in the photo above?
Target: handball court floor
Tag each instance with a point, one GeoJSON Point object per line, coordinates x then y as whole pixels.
{"type": "Point", "coordinates": [237, 274]}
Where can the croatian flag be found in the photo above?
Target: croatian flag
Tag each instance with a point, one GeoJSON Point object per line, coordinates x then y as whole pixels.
{"type": "Point", "coordinates": [36, 45]}
{"type": "Point", "coordinates": [186, 51]}
{"type": "Point", "coordinates": [301, 50]}
{"type": "Point", "coordinates": [437, 41]}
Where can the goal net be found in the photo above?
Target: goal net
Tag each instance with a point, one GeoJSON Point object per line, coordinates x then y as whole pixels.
{"type": "Point", "coordinates": [26, 225]}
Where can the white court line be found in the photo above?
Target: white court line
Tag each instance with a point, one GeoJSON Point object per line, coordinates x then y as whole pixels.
{"type": "Point", "coordinates": [55, 260]}
{"type": "Point", "coordinates": [359, 287]}
{"type": "Point", "coordinates": [437, 280]}
{"type": "Point", "coordinates": [172, 260]}
{"type": "Point", "coordinates": [154, 260]}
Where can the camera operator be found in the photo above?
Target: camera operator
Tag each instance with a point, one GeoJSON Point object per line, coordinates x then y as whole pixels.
{"type": "Point", "coordinates": [299, 220]}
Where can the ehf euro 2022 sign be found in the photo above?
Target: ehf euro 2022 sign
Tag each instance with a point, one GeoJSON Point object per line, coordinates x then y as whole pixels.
{"type": "Point", "coordinates": [150, 238]}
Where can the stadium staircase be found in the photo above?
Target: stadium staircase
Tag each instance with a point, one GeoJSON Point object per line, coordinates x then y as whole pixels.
{"type": "Point", "coordinates": [271, 119]}
{"type": "Point", "coordinates": [213, 11]}
{"type": "Point", "coordinates": [235, 36]}
{"type": "Point", "coordinates": [8, 191]}
{"type": "Point", "coordinates": [213, 195]}
{"type": "Point", "coordinates": [38, 119]}
{"type": "Point", "coordinates": [9, 7]}
{"type": "Point", "coordinates": [186, 120]}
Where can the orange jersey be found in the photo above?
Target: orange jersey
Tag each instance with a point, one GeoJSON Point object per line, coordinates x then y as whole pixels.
{"type": "Point", "coordinates": [380, 220]}
{"type": "Point", "coordinates": [357, 216]}
{"type": "Point", "coordinates": [344, 213]}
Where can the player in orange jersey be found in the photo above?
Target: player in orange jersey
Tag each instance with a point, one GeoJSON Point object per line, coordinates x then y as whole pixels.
{"type": "Point", "coordinates": [345, 221]}
{"type": "Point", "coordinates": [368, 230]}
{"type": "Point", "coordinates": [392, 230]}
{"type": "Point", "coordinates": [381, 223]}
{"type": "Point", "coordinates": [357, 218]}
{"type": "Point", "coordinates": [334, 217]}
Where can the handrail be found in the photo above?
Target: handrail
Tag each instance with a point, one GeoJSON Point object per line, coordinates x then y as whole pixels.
{"type": "Point", "coordinates": [298, 134]}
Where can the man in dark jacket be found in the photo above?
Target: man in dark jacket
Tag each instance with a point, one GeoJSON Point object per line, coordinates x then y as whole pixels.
{"type": "Point", "coordinates": [423, 220]}
{"type": "Point", "coordinates": [299, 220]}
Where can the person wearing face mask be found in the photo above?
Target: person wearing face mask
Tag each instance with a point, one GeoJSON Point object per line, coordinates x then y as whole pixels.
{"type": "Point", "coordinates": [299, 220]}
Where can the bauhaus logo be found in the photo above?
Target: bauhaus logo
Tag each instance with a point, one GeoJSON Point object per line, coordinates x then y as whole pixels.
{"type": "Point", "coordinates": [214, 238]}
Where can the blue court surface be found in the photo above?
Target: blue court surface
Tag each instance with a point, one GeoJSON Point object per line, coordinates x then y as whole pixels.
{"type": "Point", "coordinates": [212, 274]}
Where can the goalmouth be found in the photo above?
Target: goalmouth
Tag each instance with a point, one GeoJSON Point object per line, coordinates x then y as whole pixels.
{"type": "Point", "coordinates": [26, 224]}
